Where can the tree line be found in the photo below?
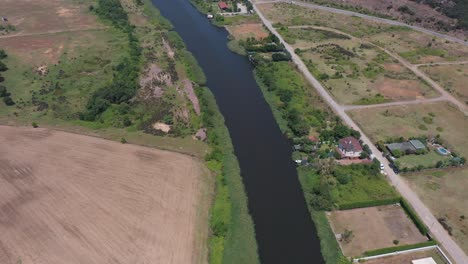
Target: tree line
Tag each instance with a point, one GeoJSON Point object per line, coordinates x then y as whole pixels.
{"type": "Point", "coordinates": [3, 89]}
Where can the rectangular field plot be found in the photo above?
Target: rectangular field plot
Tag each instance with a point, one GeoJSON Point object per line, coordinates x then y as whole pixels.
{"type": "Point", "coordinates": [67, 198]}
{"type": "Point", "coordinates": [372, 228]}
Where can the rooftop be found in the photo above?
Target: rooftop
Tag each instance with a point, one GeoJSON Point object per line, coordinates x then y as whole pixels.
{"type": "Point", "coordinates": [350, 144]}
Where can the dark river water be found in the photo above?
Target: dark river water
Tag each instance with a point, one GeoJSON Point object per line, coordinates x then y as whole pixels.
{"type": "Point", "coordinates": [284, 230]}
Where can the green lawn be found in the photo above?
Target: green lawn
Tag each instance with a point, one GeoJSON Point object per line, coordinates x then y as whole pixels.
{"type": "Point", "coordinates": [362, 187]}
{"type": "Point", "coordinates": [426, 160]}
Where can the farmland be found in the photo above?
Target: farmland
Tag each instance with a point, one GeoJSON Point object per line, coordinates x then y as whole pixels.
{"type": "Point", "coordinates": [78, 199]}
{"type": "Point", "coordinates": [444, 192]}
{"type": "Point", "coordinates": [374, 228]}
{"type": "Point", "coordinates": [452, 77]}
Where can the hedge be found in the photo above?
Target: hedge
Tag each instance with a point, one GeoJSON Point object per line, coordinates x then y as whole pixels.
{"type": "Point", "coordinates": [353, 205]}
{"type": "Point", "coordinates": [412, 214]}
{"type": "Point", "coordinates": [382, 251]}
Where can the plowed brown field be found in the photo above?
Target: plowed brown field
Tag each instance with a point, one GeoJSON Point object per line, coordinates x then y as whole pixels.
{"type": "Point", "coordinates": [67, 198]}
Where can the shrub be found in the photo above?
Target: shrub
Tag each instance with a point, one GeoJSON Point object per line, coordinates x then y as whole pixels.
{"type": "Point", "coordinates": [412, 214]}
{"type": "Point", "coordinates": [347, 206]}
{"type": "Point", "coordinates": [8, 101]}
{"type": "Point", "coordinates": [34, 124]}
{"type": "Point", "coordinates": [399, 248]}
{"type": "Point", "coordinates": [123, 140]}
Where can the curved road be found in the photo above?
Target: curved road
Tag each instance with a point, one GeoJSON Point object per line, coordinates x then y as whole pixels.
{"type": "Point", "coordinates": [436, 230]}
{"type": "Point", "coordinates": [377, 19]}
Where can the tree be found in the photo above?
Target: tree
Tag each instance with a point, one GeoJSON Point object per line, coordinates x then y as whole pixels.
{"type": "Point", "coordinates": [8, 101]}
{"type": "Point", "coordinates": [3, 67]}
{"type": "Point", "coordinates": [3, 54]}
{"type": "Point", "coordinates": [3, 91]}
{"type": "Point", "coordinates": [34, 124]}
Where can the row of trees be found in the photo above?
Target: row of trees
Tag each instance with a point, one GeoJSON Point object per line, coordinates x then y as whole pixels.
{"type": "Point", "coordinates": [125, 81]}
{"type": "Point", "coordinates": [3, 90]}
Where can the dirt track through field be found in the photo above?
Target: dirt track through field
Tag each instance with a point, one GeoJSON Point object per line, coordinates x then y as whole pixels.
{"type": "Point", "coordinates": [67, 198]}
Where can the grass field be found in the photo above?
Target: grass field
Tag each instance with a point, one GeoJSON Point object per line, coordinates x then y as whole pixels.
{"type": "Point", "coordinates": [374, 228]}
{"type": "Point", "coordinates": [416, 120]}
{"type": "Point", "coordinates": [452, 77]}
{"type": "Point", "coordinates": [353, 70]}
{"type": "Point", "coordinates": [426, 160]}
{"type": "Point", "coordinates": [400, 40]}
{"type": "Point", "coordinates": [68, 198]}
{"type": "Point", "coordinates": [408, 257]}
{"type": "Point", "coordinates": [444, 192]}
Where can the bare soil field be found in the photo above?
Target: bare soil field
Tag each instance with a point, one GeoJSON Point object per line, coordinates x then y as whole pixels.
{"type": "Point", "coordinates": [244, 31]}
{"type": "Point", "coordinates": [408, 257]}
{"type": "Point", "coordinates": [67, 198]}
{"type": "Point", "coordinates": [452, 77]}
{"type": "Point", "coordinates": [416, 120]}
{"type": "Point", "coordinates": [444, 192]}
{"type": "Point", "coordinates": [374, 228]}
{"type": "Point", "coordinates": [41, 16]}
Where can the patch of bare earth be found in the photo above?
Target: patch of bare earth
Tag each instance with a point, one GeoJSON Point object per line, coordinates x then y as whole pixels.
{"type": "Point", "coordinates": [67, 198]}
{"type": "Point", "coordinates": [374, 228]}
{"type": "Point", "coordinates": [244, 31]}
{"type": "Point", "coordinates": [152, 82]}
{"type": "Point", "coordinates": [399, 89]}
{"type": "Point", "coordinates": [40, 16]}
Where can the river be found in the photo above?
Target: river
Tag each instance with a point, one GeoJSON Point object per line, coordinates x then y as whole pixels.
{"type": "Point", "coordinates": [284, 230]}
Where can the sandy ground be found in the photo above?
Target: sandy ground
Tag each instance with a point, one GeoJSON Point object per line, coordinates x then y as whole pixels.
{"type": "Point", "coordinates": [374, 228]}
{"type": "Point", "coordinates": [67, 198]}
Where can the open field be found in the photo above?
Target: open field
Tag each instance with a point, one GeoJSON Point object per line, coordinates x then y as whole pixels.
{"type": "Point", "coordinates": [426, 160]}
{"type": "Point", "coordinates": [444, 192]}
{"type": "Point", "coordinates": [244, 31]}
{"type": "Point", "coordinates": [397, 39]}
{"type": "Point", "coordinates": [354, 71]}
{"type": "Point", "coordinates": [408, 257]}
{"type": "Point", "coordinates": [452, 77]}
{"type": "Point", "coordinates": [67, 198]}
{"type": "Point", "coordinates": [42, 16]}
{"type": "Point", "coordinates": [374, 228]}
{"type": "Point", "coordinates": [416, 120]}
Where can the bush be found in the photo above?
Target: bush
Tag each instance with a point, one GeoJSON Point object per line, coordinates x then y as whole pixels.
{"type": "Point", "coordinates": [8, 101]}
{"type": "Point", "coordinates": [347, 206]}
{"type": "Point", "coordinates": [34, 124]}
{"type": "Point", "coordinates": [3, 54]}
{"type": "Point", "coordinates": [412, 214]}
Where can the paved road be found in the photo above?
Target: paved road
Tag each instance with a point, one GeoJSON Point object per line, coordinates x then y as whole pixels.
{"type": "Point", "coordinates": [434, 226]}
{"type": "Point", "coordinates": [378, 19]}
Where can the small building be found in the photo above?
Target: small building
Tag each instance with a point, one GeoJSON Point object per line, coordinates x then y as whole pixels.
{"type": "Point", "coordinates": [349, 147]}
{"type": "Point", "coordinates": [223, 5]}
{"type": "Point", "coordinates": [407, 147]}
{"type": "Point", "coordinates": [418, 145]}
{"type": "Point", "coordinates": [314, 139]}
{"type": "Point", "coordinates": [429, 260]}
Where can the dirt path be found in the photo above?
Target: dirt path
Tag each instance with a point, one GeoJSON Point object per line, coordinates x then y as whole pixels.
{"type": "Point", "coordinates": [417, 101]}
{"type": "Point", "coordinates": [52, 32]}
{"type": "Point", "coordinates": [441, 63]}
{"type": "Point", "coordinates": [68, 198]}
{"type": "Point", "coordinates": [373, 18]}
{"type": "Point", "coordinates": [435, 228]}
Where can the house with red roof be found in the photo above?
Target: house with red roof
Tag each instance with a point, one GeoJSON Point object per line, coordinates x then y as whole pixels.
{"type": "Point", "coordinates": [349, 147]}
{"type": "Point", "coordinates": [223, 5]}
